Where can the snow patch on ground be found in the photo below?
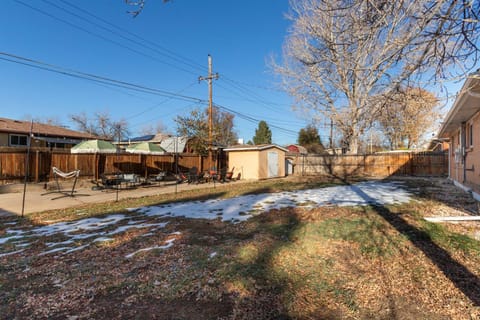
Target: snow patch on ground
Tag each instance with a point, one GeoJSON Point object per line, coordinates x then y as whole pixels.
{"type": "Point", "coordinates": [168, 244]}
{"type": "Point", "coordinates": [244, 207]}
{"type": "Point", "coordinates": [77, 235]}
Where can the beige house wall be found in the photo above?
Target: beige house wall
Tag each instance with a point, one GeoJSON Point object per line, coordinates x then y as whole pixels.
{"type": "Point", "coordinates": [245, 162]}
{"type": "Point", "coordinates": [465, 166]}
{"type": "Point", "coordinates": [263, 164]}
{"type": "Point", "coordinates": [3, 139]}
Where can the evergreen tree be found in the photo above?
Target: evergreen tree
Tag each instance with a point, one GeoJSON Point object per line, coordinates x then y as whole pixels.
{"type": "Point", "coordinates": [309, 138]}
{"type": "Point", "coordinates": [263, 134]}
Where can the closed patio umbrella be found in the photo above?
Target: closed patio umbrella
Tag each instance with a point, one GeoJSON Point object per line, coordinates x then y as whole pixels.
{"type": "Point", "coordinates": [144, 148]}
{"type": "Point", "coordinates": [96, 147]}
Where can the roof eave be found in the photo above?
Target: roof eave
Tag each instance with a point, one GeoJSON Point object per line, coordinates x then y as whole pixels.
{"type": "Point", "coordinates": [463, 107]}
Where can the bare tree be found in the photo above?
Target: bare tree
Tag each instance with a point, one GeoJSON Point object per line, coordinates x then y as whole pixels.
{"type": "Point", "coordinates": [159, 127]}
{"type": "Point", "coordinates": [138, 6]}
{"type": "Point", "coordinates": [50, 120]}
{"type": "Point", "coordinates": [410, 114]}
{"type": "Point", "coordinates": [339, 54]}
{"type": "Point", "coordinates": [101, 125]}
{"type": "Point", "coordinates": [195, 126]}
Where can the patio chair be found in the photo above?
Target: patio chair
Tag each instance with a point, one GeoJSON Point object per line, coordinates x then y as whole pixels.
{"type": "Point", "coordinates": [229, 174]}
{"type": "Point", "coordinates": [110, 183]}
{"type": "Point", "coordinates": [181, 177]}
{"type": "Point", "coordinates": [131, 180]}
{"type": "Point", "coordinates": [212, 174]}
{"type": "Point", "coordinates": [157, 178]}
{"type": "Point", "coordinates": [223, 174]}
{"type": "Point", "coordinates": [194, 176]}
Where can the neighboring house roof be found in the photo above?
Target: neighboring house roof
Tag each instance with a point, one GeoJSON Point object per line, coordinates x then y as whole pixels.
{"type": "Point", "coordinates": [297, 149]}
{"type": "Point", "coordinates": [145, 138]}
{"type": "Point", "coordinates": [465, 106]}
{"type": "Point", "coordinates": [246, 147]}
{"type": "Point", "coordinates": [40, 129]}
{"type": "Point", "coordinates": [168, 143]}
{"type": "Point", "coordinates": [159, 137]}
{"type": "Point", "coordinates": [174, 144]}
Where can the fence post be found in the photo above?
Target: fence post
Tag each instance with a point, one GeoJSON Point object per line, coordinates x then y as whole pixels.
{"type": "Point", "coordinates": [37, 163]}
{"type": "Point", "coordinates": [411, 160]}
{"type": "Point", "coordinates": [303, 165]}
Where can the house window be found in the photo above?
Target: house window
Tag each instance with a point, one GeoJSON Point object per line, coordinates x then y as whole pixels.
{"type": "Point", "coordinates": [18, 140]}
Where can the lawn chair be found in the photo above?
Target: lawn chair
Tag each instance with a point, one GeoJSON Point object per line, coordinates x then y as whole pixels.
{"type": "Point", "coordinates": [212, 174]}
{"type": "Point", "coordinates": [223, 175]}
{"type": "Point", "coordinates": [181, 177]}
{"type": "Point", "coordinates": [229, 174]}
{"type": "Point", "coordinates": [64, 175]}
{"type": "Point", "coordinates": [194, 176]}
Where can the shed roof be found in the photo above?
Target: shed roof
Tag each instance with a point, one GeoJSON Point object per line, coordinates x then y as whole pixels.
{"type": "Point", "coordinates": [246, 147]}
{"type": "Point", "coordinates": [465, 106]}
{"type": "Point", "coordinates": [23, 127]}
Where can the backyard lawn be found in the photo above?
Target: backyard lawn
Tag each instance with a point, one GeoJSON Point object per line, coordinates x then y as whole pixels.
{"type": "Point", "coordinates": [280, 249]}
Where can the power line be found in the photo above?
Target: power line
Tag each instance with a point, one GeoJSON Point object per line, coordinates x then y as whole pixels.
{"type": "Point", "coordinates": [88, 76]}
{"type": "Point", "coordinates": [171, 54]}
{"type": "Point", "coordinates": [123, 84]}
{"type": "Point", "coordinates": [159, 103]}
{"type": "Point", "coordinates": [166, 52]}
{"type": "Point", "coordinates": [254, 120]}
{"type": "Point", "coordinates": [99, 35]}
{"type": "Point", "coordinates": [188, 106]}
{"type": "Point", "coordinates": [254, 85]}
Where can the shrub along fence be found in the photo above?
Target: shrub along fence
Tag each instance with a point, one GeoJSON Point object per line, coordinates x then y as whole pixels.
{"type": "Point", "coordinates": [91, 166]}
{"type": "Point", "coordinates": [377, 165]}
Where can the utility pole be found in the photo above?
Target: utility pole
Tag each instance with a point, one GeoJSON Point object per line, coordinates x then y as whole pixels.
{"type": "Point", "coordinates": [27, 165]}
{"type": "Point", "coordinates": [209, 79]}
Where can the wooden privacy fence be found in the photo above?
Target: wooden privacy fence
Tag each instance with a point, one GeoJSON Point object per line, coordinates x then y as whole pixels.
{"type": "Point", "coordinates": [377, 165]}
{"type": "Point", "coordinates": [13, 164]}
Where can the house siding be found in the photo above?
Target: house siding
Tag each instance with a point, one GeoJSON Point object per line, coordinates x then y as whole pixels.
{"type": "Point", "coordinates": [465, 161]}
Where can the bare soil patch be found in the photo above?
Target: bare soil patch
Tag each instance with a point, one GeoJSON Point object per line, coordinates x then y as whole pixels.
{"type": "Point", "coordinates": [294, 263]}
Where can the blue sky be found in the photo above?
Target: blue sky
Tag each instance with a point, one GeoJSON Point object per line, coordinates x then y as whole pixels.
{"type": "Point", "coordinates": [241, 36]}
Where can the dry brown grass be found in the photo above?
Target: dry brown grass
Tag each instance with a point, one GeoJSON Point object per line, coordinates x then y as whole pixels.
{"type": "Point", "coordinates": [325, 263]}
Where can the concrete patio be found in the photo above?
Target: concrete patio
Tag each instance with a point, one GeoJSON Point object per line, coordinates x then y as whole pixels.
{"type": "Point", "coordinates": [38, 199]}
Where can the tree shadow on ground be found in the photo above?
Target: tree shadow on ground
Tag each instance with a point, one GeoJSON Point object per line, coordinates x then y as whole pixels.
{"type": "Point", "coordinates": [466, 281]}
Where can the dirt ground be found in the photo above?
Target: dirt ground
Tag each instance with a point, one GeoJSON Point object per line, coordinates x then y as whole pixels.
{"type": "Point", "coordinates": [379, 262]}
{"type": "Point", "coordinates": [449, 201]}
